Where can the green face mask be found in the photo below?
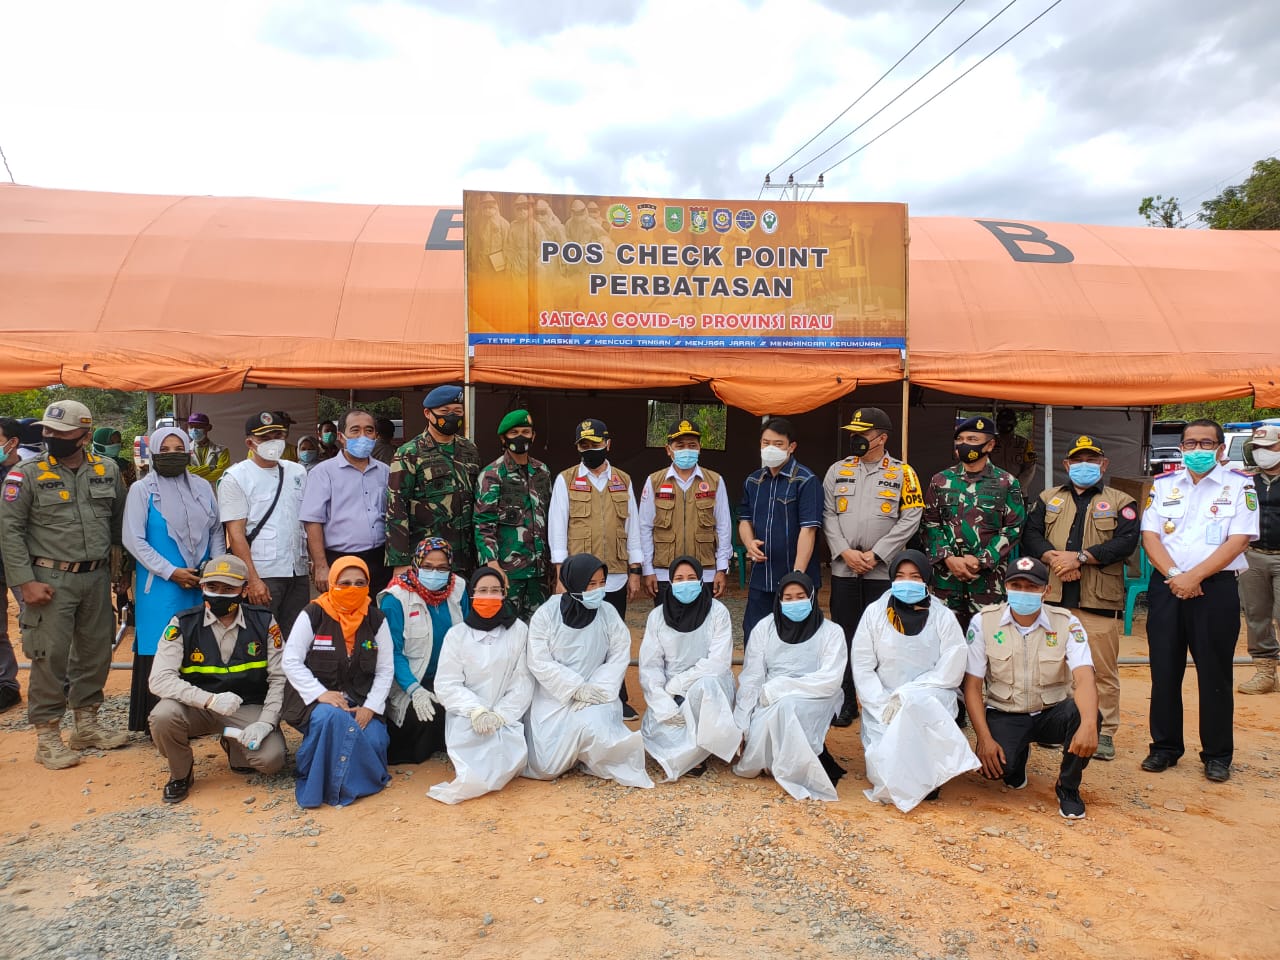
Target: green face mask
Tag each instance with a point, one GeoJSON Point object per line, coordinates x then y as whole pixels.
{"type": "Point", "coordinates": [1200, 461]}
{"type": "Point", "coordinates": [110, 450]}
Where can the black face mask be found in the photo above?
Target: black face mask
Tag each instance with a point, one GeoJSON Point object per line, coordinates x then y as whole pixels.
{"type": "Point", "coordinates": [62, 447]}
{"type": "Point", "coordinates": [594, 459]}
{"type": "Point", "coordinates": [221, 606]}
{"type": "Point", "coordinates": [970, 452]}
{"type": "Point", "coordinates": [171, 464]}
{"type": "Point", "coordinates": [448, 423]}
{"type": "Point", "coordinates": [519, 444]}
{"type": "Point", "coordinates": [859, 445]}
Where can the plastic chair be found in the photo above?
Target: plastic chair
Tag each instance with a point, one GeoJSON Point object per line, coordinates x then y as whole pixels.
{"type": "Point", "coordinates": [739, 551]}
{"type": "Point", "coordinates": [1134, 587]}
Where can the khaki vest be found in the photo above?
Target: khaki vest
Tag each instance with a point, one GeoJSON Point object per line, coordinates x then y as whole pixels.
{"type": "Point", "coordinates": [684, 521]}
{"type": "Point", "coordinates": [1101, 588]}
{"type": "Point", "coordinates": [598, 518]}
{"type": "Point", "coordinates": [1026, 674]}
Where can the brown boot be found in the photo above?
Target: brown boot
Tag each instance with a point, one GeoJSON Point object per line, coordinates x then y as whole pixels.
{"type": "Point", "coordinates": [50, 750]}
{"type": "Point", "coordinates": [1263, 679]}
{"type": "Point", "coordinates": [91, 735]}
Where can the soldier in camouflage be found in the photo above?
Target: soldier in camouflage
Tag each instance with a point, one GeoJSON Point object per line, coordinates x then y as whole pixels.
{"type": "Point", "coordinates": [432, 486]}
{"type": "Point", "coordinates": [512, 495]}
{"type": "Point", "coordinates": [973, 515]}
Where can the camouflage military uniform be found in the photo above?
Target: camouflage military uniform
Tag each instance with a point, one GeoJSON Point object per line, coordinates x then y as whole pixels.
{"type": "Point", "coordinates": [511, 527]}
{"type": "Point", "coordinates": [979, 515]}
{"type": "Point", "coordinates": [432, 492]}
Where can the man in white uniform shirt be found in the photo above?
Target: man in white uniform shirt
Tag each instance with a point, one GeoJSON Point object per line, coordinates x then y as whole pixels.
{"type": "Point", "coordinates": [1197, 523]}
{"type": "Point", "coordinates": [260, 500]}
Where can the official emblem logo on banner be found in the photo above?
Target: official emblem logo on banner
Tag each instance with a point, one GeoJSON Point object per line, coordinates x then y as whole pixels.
{"type": "Point", "coordinates": [619, 215]}
{"type": "Point", "coordinates": [698, 219]}
{"type": "Point", "coordinates": [722, 220]}
{"type": "Point", "coordinates": [769, 222]}
{"type": "Point", "coordinates": [746, 219]}
{"type": "Point", "coordinates": [648, 215]}
{"type": "Point", "coordinates": [674, 217]}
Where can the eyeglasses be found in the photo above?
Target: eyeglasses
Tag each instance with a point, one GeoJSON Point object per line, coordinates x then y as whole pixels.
{"type": "Point", "coordinates": [1199, 444]}
{"type": "Point", "coordinates": [428, 566]}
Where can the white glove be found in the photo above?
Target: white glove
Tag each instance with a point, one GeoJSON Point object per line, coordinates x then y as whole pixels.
{"type": "Point", "coordinates": [590, 693]}
{"type": "Point", "coordinates": [424, 702]}
{"type": "Point", "coordinates": [486, 722]}
{"type": "Point", "coordinates": [891, 709]}
{"type": "Point", "coordinates": [675, 687]}
{"type": "Point", "coordinates": [251, 737]}
{"type": "Point", "coordinates": [764, 697]}
{"type": "Point", "coordinates": [676, 719]}
{"type": "Point", "coordinates": [225, 703]}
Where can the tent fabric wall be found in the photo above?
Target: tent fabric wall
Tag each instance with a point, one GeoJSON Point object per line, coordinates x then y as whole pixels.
{"type": "Point", "coordinates": [207, 294]}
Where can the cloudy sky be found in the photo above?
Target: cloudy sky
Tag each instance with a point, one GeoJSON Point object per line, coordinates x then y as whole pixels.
{"type": "Point", "coordinates": [1094, 106]}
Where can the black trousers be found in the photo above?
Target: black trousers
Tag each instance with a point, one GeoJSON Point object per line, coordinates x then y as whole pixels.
{"type": "Point", "coordinates": [375, 560]}
{"type": "Point", "coordinates": [1208, 627]}
{"type": "Point", "coordinates": [618, 600]}
{"type": "Point", "coordinates": [850, 597]}
{"type": "Point", "coordinates": [1015, 732]}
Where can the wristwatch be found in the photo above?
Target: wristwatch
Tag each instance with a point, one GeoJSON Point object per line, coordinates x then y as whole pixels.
{"type": "Point", "coordinates": [1082, 558]}
{"type": "Point", "coordinates": [1173, 571]}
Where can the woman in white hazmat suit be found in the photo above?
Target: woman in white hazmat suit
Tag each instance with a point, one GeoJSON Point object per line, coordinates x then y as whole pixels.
{"type": "Point", "coordinates": [686, 660]}
{"type": "Point", "coordinates": [908, 662]}
{"type": "Point", "coordinates": [579, 649]}
{"type": "Point", "coordinates": [788, 691]}
{"type": "Point", "coordinates": [484, 685]}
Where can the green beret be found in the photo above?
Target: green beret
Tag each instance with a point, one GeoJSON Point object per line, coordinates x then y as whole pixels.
{"type": "Point", "coordinates": [516, 418]}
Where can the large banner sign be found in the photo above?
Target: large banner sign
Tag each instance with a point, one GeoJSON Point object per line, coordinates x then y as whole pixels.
{"type": "Point", "coordinates": [650, 272]}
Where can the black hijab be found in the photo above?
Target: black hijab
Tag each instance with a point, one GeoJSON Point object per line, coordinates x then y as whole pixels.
{"type": "Point", "coordinates": [575, 573]}
{"type": "Point", "coordinates": [686, 617]}
{"type": "Point", "coordinates": [505, 616]}
{"type": "Point", "coordinates": [789, 630]}
{"type": "Point", "coordinates": [910, 620]}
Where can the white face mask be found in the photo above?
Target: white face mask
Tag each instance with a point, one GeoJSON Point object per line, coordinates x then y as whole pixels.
{"type": "Point", "coordinates": [271, 450]}
{"type": "Point", "coordinates": [773, 456]}
{"type": "Point", "coordinates": [1265, 458]}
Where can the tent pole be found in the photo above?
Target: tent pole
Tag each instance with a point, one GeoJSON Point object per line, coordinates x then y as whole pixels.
{"type": "Point", "coordinates": [151, 412]}
{"type": "Point", "coordinates": [906, 398]}
{"type": "Point", "coordinates": [1048, 447]}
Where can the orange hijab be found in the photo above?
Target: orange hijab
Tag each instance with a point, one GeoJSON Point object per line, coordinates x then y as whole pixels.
{"type": "Point", "coordinates": [347, 605]}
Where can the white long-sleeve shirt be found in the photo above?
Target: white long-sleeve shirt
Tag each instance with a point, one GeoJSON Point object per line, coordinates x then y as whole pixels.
{"type": "Point", "coordinates": [724, 532]}
{"type": "Point", "coordinates": [670, 661]}
{"type": "Point", "coordinates": [309, 688]}
{"type": "Point", "coordinates": [558, 523]}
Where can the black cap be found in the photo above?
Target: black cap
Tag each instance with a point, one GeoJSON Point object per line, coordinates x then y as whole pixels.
{"type": "Point", "coordinates": [977, 425]}
{"type": "Point", "coordinates": [1027, 568]}
{"type": "Point", "coordinates": [868, 418]}
{"type": "Point", "coordinates": [593, 430]}
{"type": "Point", "coordinates": [265, 422]}
{"type": "Point", "coordinates": [683, 428]}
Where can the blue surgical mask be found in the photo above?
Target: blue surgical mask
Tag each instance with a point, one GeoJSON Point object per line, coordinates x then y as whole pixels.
{"type": "Point", "coordinates": [796, 610]}
{"type": "Point", "coordinates": [687, 591]}
{"type": "Point", "coordinates": [685, 459]}
{"type": "Point", "coordinates": [433, 579]}
{"type": "Point", "coordinates": [196, 433]}
{"type": "Point", "coordinates": [591, 599]}
{"type": "Point", "coordinates": [307, 456]}
{"type": "Point", "coordinates": [1084, 474]}
{"type": "Point", "coordinates": [908, 591]}
{"type": "Point", "coordinates": [1024, 602]}
{"type": "Point", "coordinates": [1200, 461]}
{"type": "Point", "coordinates": [360, 447]}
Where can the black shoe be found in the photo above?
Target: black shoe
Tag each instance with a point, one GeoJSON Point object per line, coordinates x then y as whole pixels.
{"type": "Point", "coordinates": [933, 795]}
{"type": "Point", "coordinates": [226, 748]}
{"type": "Point", "coordinates": [1158, 762]}
{"type": "Point", "coordinates": [9, 698]}
{"type": "Point", "coordinates": [1070, 806]}
{"type": "Point", "coordinates": [1217, 771]}
{"type": "Point", "coordinates": [845, 717]}
{"type": "Point", "coordinates": [175, 791]}
{"type": "Point", "coordinates": [699, 770]}
{"type": "Point", "coordinates": [629, 712]}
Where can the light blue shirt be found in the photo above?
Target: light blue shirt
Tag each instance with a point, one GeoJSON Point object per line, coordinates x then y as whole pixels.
{"type": "Point", "coordinates": [350, 504]}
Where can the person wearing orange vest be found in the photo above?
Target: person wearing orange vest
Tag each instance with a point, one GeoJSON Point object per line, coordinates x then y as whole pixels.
{"type": "Point", "coordinates": [593, 510]}
{"type": "Point", "coordinates": [684, 511]}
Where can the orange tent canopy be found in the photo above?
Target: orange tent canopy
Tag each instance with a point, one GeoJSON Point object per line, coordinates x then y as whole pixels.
{"type": "Point", "coordinates": [205, 294]}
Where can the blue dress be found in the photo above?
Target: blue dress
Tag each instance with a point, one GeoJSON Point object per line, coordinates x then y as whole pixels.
{"type": "Point", "coordinates": [157, 599]}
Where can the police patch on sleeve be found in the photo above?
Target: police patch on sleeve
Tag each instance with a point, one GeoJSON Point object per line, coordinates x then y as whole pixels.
{"type": "Point", "coordinates": [1077, 634]}
{"type": "Point", "coordinates": [970, 635]}
{"type": "Point", "coordinates": [273, 632]}
{"type": "Point", "coordinates": [1250, 498]}
{"type": "Point", "coordinates": [171, 632]}
{"type": "Point", "coordinates": [1129, 513]}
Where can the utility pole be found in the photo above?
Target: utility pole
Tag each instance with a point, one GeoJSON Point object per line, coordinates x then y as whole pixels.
{"type": "Point", "coordinates": [791, 187]}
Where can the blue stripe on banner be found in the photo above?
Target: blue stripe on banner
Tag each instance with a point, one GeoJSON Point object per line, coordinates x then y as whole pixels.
{"type": "Point", "coordinates": [723, 343]}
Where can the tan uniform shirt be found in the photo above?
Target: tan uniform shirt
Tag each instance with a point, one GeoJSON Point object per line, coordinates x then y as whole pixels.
{"type": "Point", "coordinates": [873, 506]}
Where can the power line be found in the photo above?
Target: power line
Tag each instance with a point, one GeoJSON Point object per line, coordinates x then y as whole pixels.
{"type": "Point", "coordinates": [943, 90]}
{"type": "Point", "coordinates": [6, 166]}
{"type": "Point", "coordinates": [909, 88]}
{"type": "Point", "coordinates": [870, 88]}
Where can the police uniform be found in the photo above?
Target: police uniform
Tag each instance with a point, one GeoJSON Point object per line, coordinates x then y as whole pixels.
{"type": "Point", "coordinates": [58, 526]}
{"type": "Point", "coordinates": [432, 492]}
{"type": "Point", "coordinates": [871, 506]}
{"type": "Point", "coordinates": [1027, 680]}
{"type": "Point", "coordinates": [199, 657]}
{"type": "Point", "coordinates": [1100, 525]}
{"type": "Point", "coordinates": [1191, 520]}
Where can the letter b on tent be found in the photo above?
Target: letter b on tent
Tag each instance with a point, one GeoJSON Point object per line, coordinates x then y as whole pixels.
{"type": "Point", "coordinates": [1017, 237]}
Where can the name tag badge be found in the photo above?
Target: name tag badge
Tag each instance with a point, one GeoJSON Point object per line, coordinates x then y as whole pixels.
{"type": "Point", "coordinates": [1213, 534]}
{"type": "Point", "coordinates": [322, 642]}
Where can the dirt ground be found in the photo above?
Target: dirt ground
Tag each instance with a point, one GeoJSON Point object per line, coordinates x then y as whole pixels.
{"type": "Point", "coordinates": [1165, 865]}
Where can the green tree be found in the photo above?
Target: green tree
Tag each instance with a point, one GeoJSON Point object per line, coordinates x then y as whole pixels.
{"type": "Point", "coordinates": [120, 409]}
{"type": "Point", "coordinates": [1160, 211]}
{"type": "Point", "coordinates": [1233, 410]}
{"type": "Point", "coordinates": [1252, 205]}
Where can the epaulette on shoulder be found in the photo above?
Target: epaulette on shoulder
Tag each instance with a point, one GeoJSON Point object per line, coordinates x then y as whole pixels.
{"type": "Point", "coordinates": [1244, 473]}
